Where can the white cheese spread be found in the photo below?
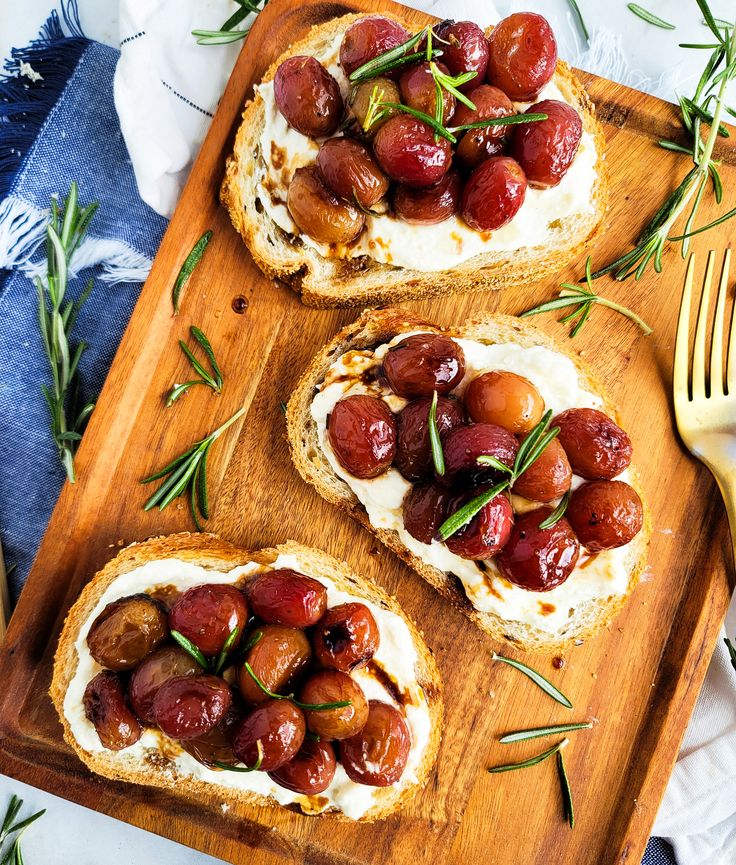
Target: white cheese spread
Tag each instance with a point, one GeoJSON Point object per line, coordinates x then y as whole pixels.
{"type": "Point", "coordinates": [428, 248]}
{"type": "Point", "coordinates": [396, 655]}
{"type": "Point", "coordinates": [598, 576]}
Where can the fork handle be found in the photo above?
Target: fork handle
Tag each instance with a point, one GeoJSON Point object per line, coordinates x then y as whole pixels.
{"type": "Point", "coordinates": [727, 484]}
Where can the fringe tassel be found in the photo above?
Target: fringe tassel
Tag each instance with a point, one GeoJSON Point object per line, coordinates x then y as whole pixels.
{"type": "Point", "coordinates": [119, 262]}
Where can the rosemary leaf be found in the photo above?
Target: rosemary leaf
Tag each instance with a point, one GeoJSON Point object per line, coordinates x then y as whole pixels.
{"type": "Point", "coordinates": [314, 707]}
{"type": "Point", "coordinates": [532, 761]}
{"type": "Point", "coordinates": [558, 513]}
{"type": "Point", "coordinates": [191, 261]}
{"type": "Point", "coordinates": [581, 21]}
{"type": "Point", "coordinates": [538, 732]}
{"type": "Point", "coordinates": [282, 406]}
{"type": "Point", "coordinates": [383, 63]}
{"type": "Point", "coordinates": [189, 646]}
{"type": "Point", "coordinates": [219, 37]}
{"type": "Point", "coordinates": [178, 389]}
{"type": "Point", "coordinates": [650, 17]}
{"type": "Point", "coordinates": [207, 348]}
{"type": "Point", "coordinates": [466, 513]}
{"type": "Point", "coordinates": [226, 649]}
{"type": "Point", "coordinates": [537, 678]}
{"type": "Point", "coordinates": [510, 120]}
{"type": "Point", "coordinates": [731, 651]}
{"type": "Point", "coordinates": [254, 768]}
{"type": "Point", "coordinates": [494, 462]}
{"type": "Point", "coordinates": [420, 115]}
{"type": "Point", "coordinates": [566, 791]}
{"type": "Point", "coordinates": [438, 457]}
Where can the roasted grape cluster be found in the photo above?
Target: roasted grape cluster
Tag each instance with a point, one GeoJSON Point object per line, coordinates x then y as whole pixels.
{"type": "Point", "coordinates": [380, 152]}
{"type": "Point", "coordinates": [482, 440]}
{"type": "Point", "coordinates": [253, 676]}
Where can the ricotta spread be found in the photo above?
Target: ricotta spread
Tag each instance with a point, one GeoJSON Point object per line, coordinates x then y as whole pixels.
{"type": "Point", "coordinates": [596, 576]}
{"type": "Point", "coordinates": [420, 247]}
{"type": "Point", "coordinates": [396, 656]}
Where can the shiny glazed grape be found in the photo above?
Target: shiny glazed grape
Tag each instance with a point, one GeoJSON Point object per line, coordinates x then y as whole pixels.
{"type": "Point", "coordinates": [362, 433]}
{"type": "Point", "coordinates": [425, 508]}
{"type": "Point", "coordinates": [493, 194]}
{"type": "Point", "coordinates": [311, 771]}
{"type": "Point", "coordinates": [190, 706]}
{"type": "Point", "coordinates": [350, 171]}
{"type": "Point", "coordinates": [332, 686]}
{"type": "Point", "coordinates": [346, 638]}
{"type": "Point", "coordinates": [367, 39]}
{"type": "Point", "coordinates": [545, 149]}
{"type": "Point", "coordinates": [318, 212]}
{"type": "Point", "coordinates": [505, 399]}
{"type": "Point", "coordinates": [523, 55]}
{"type": "Point", "coordinates": [539, 559]}
{"type": "Point", "coordinates": [463, 445]}
{"type": "Point", "coordinates": [605, 514]}
{"type": "Point", "coordinates": [413, 448]}
{"type": "Point", "coordinates": [424, 363]}
{"type": "Point", "coordinates": [464, 49]}
{"type": "Point", "coordinates": [430, 205]}
{"type": "Point", "coordinates": [105, 707]}
{"type": "Point", "coordinates": [279, 726]}
{"type": "Point", "coordinates": [308, 96]}
{"type": "Point", "coordinates": [487, 532]}
{"type": "Point", "coordinates": [477, 145]}
{"type": "Point", "coordinates": [406, 149]}
{"type": "Point", "coordinates": [418, 90]}
{"type": "Point", "coordinates": [278, 659]}
{"type": "Point", "coordinates": [548, 478]}
{"type": "Point", "coordinates": [377, 756]}
{"type": "Point", "coordinates": [208, 614]}
{"type": "Point", "coordinates": [596, 446]}
{"type": "Point", "coordinates": [126, 631]}
{"type": "Point", "coordinates": [286, 597]}
{"type": "Point", "coordinates": [165, 663]}
{"type": "Point", "coordinates": [362, 99]}
{"type": "Point", "coordinates": [217, 745]}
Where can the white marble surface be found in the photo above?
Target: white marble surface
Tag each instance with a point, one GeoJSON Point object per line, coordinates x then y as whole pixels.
{"type": "Point", "coordinates": [68, 833]}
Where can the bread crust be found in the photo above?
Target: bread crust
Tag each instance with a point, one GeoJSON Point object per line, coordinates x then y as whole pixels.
{"type": "Point", "coordinates": [379, 326]}
{"type": "Point", "coordinates": [324, 282]}
{"type": "Point", "coordinates": [211, 553]}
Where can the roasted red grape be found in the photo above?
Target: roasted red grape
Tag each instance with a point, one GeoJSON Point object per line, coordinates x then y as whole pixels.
{"type": "Point", "coordinates": [105, 706]}
{"type": "Point", "coordinates": [464, 49]}
{"type": "Point", "coordinates": [523, 55]}
{"type": "Point", "coordinates": [126, 631]}
{"type": "Point", "coordinates": [596, 447]}
{"type": "Point", "coordinates": [286, 597]}
{"type": "Point", "coordinates": [605, 514]}
{"type": "Point", "coordinates": [493, 194]}
{"type": "Point", "coordinates": [362, 100]}
{"type": "Point", "coordinates": [190, 706]}
{"type": "Point", "coordinates": [367, 39]}
{"type": "Point", "coordinates": [308, 96]}
{"type": "Point", "coordinates": [487, 532]}
{"type": "Point", "coordinates": [362, 433]}
{"type": "Point", "coordinates": [424, 363]}
{"type": "Point", "coordinates": [419, 91]}
{"type": "Point", "coordinates": [377, 756]}
{"type": "Point", "coordinates": [279, 726]}
{"type": "Point", "coordinates": [406, 149]}
{"type": "Point", "coordinates": [545, 149]}
{"type": "Point", "coordinates": [430, 205]}
{"type": "Point", "coordinates": [350, 171]}
{"type": "Point", "coordinates": [165, 663]}
{"type": "Point", "coordinates": [208, 614]}
{"type": "Point", "coordinates": [425, 508]}
{"type": "Point", "coordinates": [217, 745]}
{"type": "Point", "coordinates": [278, 658]}
{"type": "Point", "coordinates": [311, 771]}
{"type": "Point", "coordinates": [539, 559]}
{"type": "Point", "coordinates": [346, 637]}
{"type": "Point", "coordinates": [477, 145]}
{"type": "Point", "coordinates": [332, 686]}
{"type": "Point", "coordinates": [413, 449]}
{"type": "Point", "coordinates": [318, 212]}
{"type": "Point", "coordinates": [463, 445]}
{"type": "Point", "coordinates": [548, 478]}
{"type": "Point", "coordinates": [505, 399]}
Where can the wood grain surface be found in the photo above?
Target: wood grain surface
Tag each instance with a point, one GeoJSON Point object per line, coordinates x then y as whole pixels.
{"type": "Point", "coordinates": [638, 681]}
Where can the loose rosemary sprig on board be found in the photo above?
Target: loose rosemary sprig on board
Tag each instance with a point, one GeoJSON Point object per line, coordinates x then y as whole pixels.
{"type": "Point", "coordinates": [10, 826]}
{"type": "Point", "coordinates": [190, 262]}
{"type": "Point", "coordinates": [212, 380]}
{"type": "Point", "coordinates": [57, 317]}
{"type": "Point", "coordinates": [226, 33]}
{"type": "Point", "coordinates": [538, 679]}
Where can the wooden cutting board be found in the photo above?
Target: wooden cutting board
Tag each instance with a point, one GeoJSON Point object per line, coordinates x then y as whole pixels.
{"type": "Point", "coordinates": [638, 681]}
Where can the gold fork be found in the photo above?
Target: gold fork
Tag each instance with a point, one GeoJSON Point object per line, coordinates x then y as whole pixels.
{"type": "Point", "coordinates": [705, 402]}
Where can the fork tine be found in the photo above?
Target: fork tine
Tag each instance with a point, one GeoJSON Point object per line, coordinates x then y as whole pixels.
{"type": "Point", "coordinates": [700, 331]}
{"type": "Point", "coordinates": [731, 369]}
{"type": "Point", "coordinates": [716, 346]}
{"type": "Point", "coordinates": [682, 342]}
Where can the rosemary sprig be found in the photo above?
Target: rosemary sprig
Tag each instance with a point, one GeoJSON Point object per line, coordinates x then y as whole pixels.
{"type": "Point", "coordinates": [650, 17]}
{"type": "Point", "coordinates": [538, 732]}
{"type": "Point", "coordinates": [451, 83]}
{"type": "Point", "coordinates": [314, 707]}
{"type": "Point", "coordinates": [731, 651]}
{"type": "Point", "coordinates": [537, 678]}
{"type": "Point", "coordinates": [190, 262]}
{"type": "Point", "coordinates": [212, 380]}
{"type": "Point", "coordinates": [558, 513]}
{"type": "Point", "coordinates": [188, 471]}
{"type": "Point", "coordinates": [9, 827]}
{"type": "Point", "coordinates": [254, 768]}
{"type": "Point", "coordinates": [583, 298]}
{"type": "Point", "coordinates": [57, 317]}
{"type": "Point", "coordinates": [438, 457]}
{"type": "Point", "coordinates": [579, 16]}
{"type": "Point", "coordinates": [566, 790]}
{"type": "Point", "coordinates": [226, 33]}
{"type": "Point", "coordinates": [213, 665]}
{"type": "Point", "coordinates": [532, 761]}
{"type": "Point", "coordinates": [510, 120]}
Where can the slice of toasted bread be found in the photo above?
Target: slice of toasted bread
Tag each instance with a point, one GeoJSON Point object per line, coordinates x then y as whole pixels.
{"type": "Point", "coordinates": [380, 326]}
{"type": "Point", "coordinates": [211, 553]}
{"type": "Point", "coordinates": [327, 282]}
